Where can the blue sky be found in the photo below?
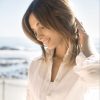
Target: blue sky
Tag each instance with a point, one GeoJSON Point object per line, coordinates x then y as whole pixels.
{"type": "Point", "coordinates": [11, 12]}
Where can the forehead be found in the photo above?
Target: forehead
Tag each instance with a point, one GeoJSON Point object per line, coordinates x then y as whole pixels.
{"type": "Point", "coordinates": [33, 21]}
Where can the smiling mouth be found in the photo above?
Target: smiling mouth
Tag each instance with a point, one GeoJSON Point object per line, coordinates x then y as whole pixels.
{"type": "Point", "coordinates": [45, 41]}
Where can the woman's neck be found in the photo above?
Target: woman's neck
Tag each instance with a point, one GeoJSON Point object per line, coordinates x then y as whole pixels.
{"type": "Point", "coordinates": [60, 51]}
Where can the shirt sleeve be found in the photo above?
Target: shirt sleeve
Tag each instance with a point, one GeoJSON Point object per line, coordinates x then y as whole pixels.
{"type": "Point", "coordinates": [29, 95]}
{"type": "Point", "coordinates": [88, 68]}
{"type": "Point", "coordinates": [32, 69]}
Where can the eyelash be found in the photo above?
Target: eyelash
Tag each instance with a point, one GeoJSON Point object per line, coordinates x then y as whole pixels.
{"type": "Point", "coordinates": [42, 27]}
{"type": "Point", "coordinates": [35, 33]}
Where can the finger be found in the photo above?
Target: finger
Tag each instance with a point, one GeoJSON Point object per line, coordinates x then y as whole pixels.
{"type": "Point", "coordinates": [80, 26]}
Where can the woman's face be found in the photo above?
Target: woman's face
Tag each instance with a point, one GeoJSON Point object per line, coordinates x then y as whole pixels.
{"type": "Point", "coordinates": [49, 37]}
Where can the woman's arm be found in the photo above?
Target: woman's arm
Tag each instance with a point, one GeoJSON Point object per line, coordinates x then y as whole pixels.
{"type": "Point", "coordinates": [29, 95]}
{"type": "Point", "coordinates": [31, 71]}
{"type": "Point", "coordinates": [87, 64]}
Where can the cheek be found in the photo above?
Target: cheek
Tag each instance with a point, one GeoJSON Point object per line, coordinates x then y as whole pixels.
{"type": "Point", "coordinates": [56, 40]}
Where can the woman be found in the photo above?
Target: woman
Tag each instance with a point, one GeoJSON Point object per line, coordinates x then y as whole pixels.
{"type": "Point", "coordinates": [67, 64]}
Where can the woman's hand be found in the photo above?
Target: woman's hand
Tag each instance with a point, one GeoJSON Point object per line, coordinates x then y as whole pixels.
{"type": "Point", "coordinates": [83, 39]}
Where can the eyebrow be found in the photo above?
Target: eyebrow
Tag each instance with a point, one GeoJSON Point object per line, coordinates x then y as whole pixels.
{"type": "Point", "coordinates": [37, 24]}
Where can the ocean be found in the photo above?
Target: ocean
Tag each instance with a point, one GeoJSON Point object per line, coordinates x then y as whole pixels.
{"type": "Point", "coordinates": [15, 56]}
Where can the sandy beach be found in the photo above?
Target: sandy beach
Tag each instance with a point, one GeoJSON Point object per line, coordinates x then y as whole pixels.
{"type": "Point", "coordinates": [13, 89]}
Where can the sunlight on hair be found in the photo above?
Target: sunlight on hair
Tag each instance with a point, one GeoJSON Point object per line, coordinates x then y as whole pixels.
{"type": "Point", "coordinates": [72, 7]}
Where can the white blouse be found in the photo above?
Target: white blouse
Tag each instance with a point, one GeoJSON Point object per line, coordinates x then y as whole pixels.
{"type": "Point", "coordinates": [68, 85]}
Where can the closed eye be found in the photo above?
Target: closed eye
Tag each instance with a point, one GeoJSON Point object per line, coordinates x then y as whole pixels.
{"type": "Point", "coordinates": [40, 28]}
{"type": "Point", "coordinates": [35, 33]}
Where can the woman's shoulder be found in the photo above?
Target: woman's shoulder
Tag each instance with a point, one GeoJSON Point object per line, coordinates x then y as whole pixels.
{"type": "Point", "coordinates": [34, 63]}
{"type": "Point", "coordinates": [36, 59]}
{"type": "Point", "coordinates": [40, 60]}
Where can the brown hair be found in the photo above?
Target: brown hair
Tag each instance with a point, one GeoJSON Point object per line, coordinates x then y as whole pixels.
{"type": "Point", "coordinates": [56, 14]}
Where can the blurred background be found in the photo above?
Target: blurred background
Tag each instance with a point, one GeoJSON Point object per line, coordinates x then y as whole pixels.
{"type": "Point", "coordinates": [17, 51]}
